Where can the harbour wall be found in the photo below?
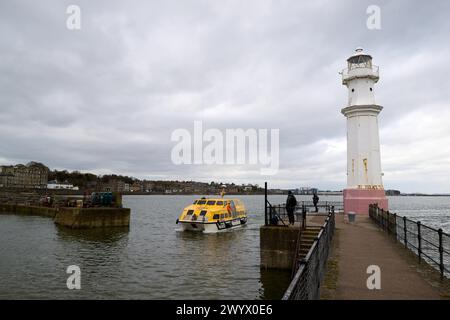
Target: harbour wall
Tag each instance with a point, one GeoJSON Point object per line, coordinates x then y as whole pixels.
{"type": "Point", "coordinates": [75, 218]}
{"type": "Point", "coordinates": [277, 245]}
{"type": "Point", "coordinates": [20, 197]}
{"type": "Point", "coordinates": [93, 217]}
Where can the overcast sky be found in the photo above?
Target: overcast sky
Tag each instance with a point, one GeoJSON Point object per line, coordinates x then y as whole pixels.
{"type": "Point", "coordinates": [106, 98]}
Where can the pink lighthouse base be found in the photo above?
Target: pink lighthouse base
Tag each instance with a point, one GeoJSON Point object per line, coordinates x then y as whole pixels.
{"type": "Point", "coordinates": [358, 200]}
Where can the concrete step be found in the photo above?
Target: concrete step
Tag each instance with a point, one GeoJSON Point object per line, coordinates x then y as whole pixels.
{"type": "Point", "coordinates": [309, 236]}
{"type": "Point", "coordinates": [310, 231]}
{"type": "Point", "coordinates": [303, 254]}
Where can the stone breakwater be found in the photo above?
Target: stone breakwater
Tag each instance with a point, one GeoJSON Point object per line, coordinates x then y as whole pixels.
{"type": "Point", "coordinates": [75, 218]}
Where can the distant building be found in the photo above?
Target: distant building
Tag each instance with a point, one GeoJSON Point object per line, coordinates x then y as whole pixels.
{"type": "Point", "coordinates": [277, 191]}
{"type": "Point", "coordinates": [136, 187]}
{"type": "Point", "coordinates": [148, 186]}
{"type": "Point", "coordinates": [306, 190]}
{"type": "Point", "coordinates": [115, 186]}
{"type": "Point", "coordinates": [54, 184]}
{"type": "Point", "coordinates": [393, 192]}
{"type": "Point", "coordinates": [33, 175]}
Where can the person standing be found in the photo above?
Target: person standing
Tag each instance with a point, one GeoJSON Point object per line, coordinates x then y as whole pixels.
{"type": "Point", "coordinates": [316, 201]}
{"type": "Point", "coordinates": [291, 203]}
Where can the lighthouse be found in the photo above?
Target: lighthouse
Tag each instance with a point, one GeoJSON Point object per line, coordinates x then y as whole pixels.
{"type": "Point", "coordinates": [364, 176]}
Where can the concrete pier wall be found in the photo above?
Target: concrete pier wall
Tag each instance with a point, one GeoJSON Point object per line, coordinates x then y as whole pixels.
{"type": "Point", "coordinates": [27, 210]}
{"type": "Point", "coordinates": [277, 245]}
{"type": "Point", "coordinates": [93, 217]}
{"type": "Point", "coordinates": [75, 217]}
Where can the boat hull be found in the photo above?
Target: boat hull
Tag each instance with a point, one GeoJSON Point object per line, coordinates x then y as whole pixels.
{"type": "Point", "coordinates": [212, 227]}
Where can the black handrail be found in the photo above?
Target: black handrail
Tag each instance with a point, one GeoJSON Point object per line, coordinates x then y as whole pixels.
{"type": "Point", "coordinates": [305, 285]}
{"type": "Point", "coordinates": [413, 235]}
{"type": "Point", "coordinates": [278, 213]}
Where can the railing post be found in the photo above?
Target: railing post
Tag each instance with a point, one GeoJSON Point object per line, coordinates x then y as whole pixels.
{"type": "Point", "coordinates": [378, 216]}
{"type": "Point", "coordinates": [419, 241]}
{"type": "Point", "coordinates": [265, 204]}
{"type": "Point", "coordinates": [404, 232]}
{"type": "Point", "coordinates": [388, 222]}
{"type": "Point", "coordinates": [395, 224]}
{"type": "Point", "coordinates": [441, 253]}
{"type": "Point", "coordinates": [303, 216]}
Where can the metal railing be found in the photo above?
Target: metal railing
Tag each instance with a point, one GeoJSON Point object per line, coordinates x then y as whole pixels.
{"type": "Point", "coordinates": [431, 245]}
{"type": "Point", "coordinates": [277, 214]}
{"type": "Point", "coordinates": [358, 70]}
{"type": "Point", "coordinates": [305, 285]}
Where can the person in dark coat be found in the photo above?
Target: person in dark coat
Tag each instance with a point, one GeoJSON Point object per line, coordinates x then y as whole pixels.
{"type": "Point", "coordinates": [316, 201]}
{"type": "Point", "coordinates": [291, 203]}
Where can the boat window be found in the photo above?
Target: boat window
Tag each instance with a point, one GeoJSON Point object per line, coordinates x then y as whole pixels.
{"type": "Point", "coordinates": [195, 202]}
{"type": "Point", "coordinates": [222, 216]}
{"type": "Point", "coordinates": [219, 203]}
{"type": "Point", "coordinates": [211, 203]}
{"type": "Point", "coordinates": [190, 212]}
{"type": "Point", "coordinates": [203, 212]}
{"type": "Point", "coordinates": [216, 216]}
{"type": "Point", "coordinates": [201, 201]}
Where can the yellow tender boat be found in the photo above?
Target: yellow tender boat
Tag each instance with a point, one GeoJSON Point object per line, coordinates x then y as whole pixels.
{"type": "Point", "coordinates": [213, 215]}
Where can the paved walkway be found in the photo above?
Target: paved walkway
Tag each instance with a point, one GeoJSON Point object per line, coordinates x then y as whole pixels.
{"type": "Point", "coordinates": [362, 244]}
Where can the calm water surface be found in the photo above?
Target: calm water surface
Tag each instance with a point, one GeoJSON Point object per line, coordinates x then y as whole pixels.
{"type": "Point", "coordinates": [151, 259]}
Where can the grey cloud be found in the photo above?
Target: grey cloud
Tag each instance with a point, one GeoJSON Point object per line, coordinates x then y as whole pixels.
{"type": "Point", "coordinates": [107, 97]}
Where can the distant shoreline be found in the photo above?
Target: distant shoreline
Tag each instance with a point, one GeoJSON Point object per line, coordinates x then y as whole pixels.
{"type": "Point", "coordinates": [140, 193]}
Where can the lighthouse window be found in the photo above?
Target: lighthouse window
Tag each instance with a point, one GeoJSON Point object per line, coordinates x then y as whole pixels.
{"type": "Point", "coordinates": [370, 89]}
{"type": "Point", "coordinates": [353, 90]}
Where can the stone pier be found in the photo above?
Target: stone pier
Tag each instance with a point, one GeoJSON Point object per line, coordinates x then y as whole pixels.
{"type": "Point", "coordinates": [75, 218]}
{"type": "Point", "coordinates": [362, 244]}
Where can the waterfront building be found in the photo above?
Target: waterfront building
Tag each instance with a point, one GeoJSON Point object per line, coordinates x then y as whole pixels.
{"type": "Point", "coordinates": [33, 175]}
{"type": "Point", "coordinates": [115, 185]}
{"type": "Point", "coordinates": [54, 185]}
{"type": "Point", "coordinates": [364, 176]}
{"type": "Point", "coordinates": [306, 190]}
{"type": "Point", "coordinates": [136, 187]}
{"type": "Point", "coordinates": [148, 186]}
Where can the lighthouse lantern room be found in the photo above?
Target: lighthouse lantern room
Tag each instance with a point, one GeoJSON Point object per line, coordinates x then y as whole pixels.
{"type": "Point", "coordinates": [364, 176]}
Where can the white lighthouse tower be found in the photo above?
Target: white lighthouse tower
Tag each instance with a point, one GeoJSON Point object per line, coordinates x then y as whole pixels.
{"type": "Point", "coordinates": [364, 177]}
